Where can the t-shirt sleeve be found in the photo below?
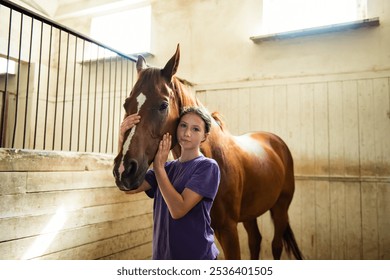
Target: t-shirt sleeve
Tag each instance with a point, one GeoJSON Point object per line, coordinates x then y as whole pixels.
{"type": "Point", "coordinates": [205, 180]}
{"type": "Point", "coordinates": [150, 177]}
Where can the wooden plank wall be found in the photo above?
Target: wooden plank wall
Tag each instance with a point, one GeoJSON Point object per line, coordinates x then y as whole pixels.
{"type": "Point", "coordinates": [62, 205]}
{"type": "Point", "coordinates": [338, 129]}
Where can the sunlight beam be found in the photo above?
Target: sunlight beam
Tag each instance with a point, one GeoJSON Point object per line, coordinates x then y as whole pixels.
{"type": "Point", "coordinates": [43, 241]}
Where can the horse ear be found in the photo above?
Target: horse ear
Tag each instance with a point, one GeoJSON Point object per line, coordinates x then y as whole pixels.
{"type": "Point", "coordinates": [141, 64]}
{"type": "Point", "coordinates": [172, 65]}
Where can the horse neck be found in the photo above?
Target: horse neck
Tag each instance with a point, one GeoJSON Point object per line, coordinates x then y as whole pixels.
{"type": "Point", "coordinates": [217, 141]}
{"type": "Point", "coordinates": [183, 96]}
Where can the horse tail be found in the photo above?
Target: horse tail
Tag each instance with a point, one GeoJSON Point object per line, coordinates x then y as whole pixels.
{"type": "Point", "coordinates": [291, 244]}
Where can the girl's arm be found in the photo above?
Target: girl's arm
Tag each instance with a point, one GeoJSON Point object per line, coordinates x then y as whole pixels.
{"type": "Point", "coordinates": [128, 122]}
{"type": "Point", "coordinates": [178, 204]}
{"type": "Point", "coordinates": [142, 188]}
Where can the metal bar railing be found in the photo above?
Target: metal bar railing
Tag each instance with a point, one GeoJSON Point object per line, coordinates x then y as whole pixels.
{"type": "Point", "coordinates": [47, 87]}
{"type": "Point", "coordinates": [38, 87]}
{"type": "Point", "coordinates": [18, 78]}
{"type": "Point", "coordinates": [28, 82]}
{"type": "Point", "coordinates": [67, 90]}
{"type": "Point", "coordinates": [5, 99]}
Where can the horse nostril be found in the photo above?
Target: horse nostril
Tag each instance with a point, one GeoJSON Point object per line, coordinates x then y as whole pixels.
{"type": "Point", "coordinates": [132, 167]}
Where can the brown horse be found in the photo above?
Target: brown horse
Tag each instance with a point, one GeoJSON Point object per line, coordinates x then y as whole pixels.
{"type": "Point", "coordinates": [256, 168]}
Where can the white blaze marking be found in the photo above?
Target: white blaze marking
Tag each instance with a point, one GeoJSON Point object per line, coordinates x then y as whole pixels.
{"type": "Point", "coordinates": [250, 145]}
{"type": "Point", "coordinates": [140, 101]}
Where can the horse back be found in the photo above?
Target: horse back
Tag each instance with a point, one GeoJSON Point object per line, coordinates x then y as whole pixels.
{"type": "Point", "coordinates": [258, 168]}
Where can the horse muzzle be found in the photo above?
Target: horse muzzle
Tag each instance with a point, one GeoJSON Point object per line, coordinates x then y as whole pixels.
{"type": "Point", "coordinates": [127, 175]}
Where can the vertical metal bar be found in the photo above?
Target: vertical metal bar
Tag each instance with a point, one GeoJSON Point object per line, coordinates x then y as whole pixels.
{"type": "Point", "coordinates": [64, 98]}
{"type": "Point", "coordinates": [127, 77]}
{"type": "Point", "coordinates": [132, 74]}
{"type": "Point", "coordinates": [48, 86]}
{"type": "Point", "coordinates": [121, 79]}
{"type": "Point", "coordinates": [121, 93]}
{"type": "Point", "coordinates": [81, 91]}
{"type": "Point", "coordinates": [57, 85]}
{"type": "Point", "coordinates": [94, 102]}
{"type": "Point", "coordinates": [18, 81]}
{"type": "Point", "coordinates": [88, 95]}
{"type": "Point", "coordinates": [73, 93]}
{"type": "Point", "coordinates": [5, 99]}
{"type": "Point", "coordinates": [28, 85]}
{"type": "Point", "coordinates": [113, 119]}
{"type": "Point", "coordinates": [38, 88]}
{"type": "Point", "coordinates": [109, 102]}
{"type": "Point", "coordinates": [101, 104]}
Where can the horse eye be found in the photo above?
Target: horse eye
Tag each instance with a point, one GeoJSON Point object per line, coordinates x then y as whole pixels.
{"type": "Point", "coordinates": [163, 106]}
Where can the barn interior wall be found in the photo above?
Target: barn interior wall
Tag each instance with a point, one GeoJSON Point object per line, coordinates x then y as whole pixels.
{"type": "Point", "coordinates": [337, 130]}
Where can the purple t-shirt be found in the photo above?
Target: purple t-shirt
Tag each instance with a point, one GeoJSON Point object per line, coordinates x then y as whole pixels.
{"type": "Point", "coordinates": [190, 237]}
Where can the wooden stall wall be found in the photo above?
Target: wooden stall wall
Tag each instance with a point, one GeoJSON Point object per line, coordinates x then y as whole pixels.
{"type": "Point", "coordinates": [338, 130]}
{"type": "Point", "coordinates": [64, 205]}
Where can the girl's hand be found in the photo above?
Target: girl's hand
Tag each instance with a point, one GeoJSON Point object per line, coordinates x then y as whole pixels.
{"type": "Point", "coordinates": [129, 122]}
{"type": "Point", "coordinates": [163, 151]}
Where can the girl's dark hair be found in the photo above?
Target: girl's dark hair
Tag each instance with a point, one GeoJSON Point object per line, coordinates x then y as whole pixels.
{"type": "Point", "coordinates": [201, 112]}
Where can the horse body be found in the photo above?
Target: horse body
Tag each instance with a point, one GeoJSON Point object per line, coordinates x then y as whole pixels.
{"type": "Point", "coordinates": [254, 178]}
{"type": "Point", "coordinates": [256, 168]}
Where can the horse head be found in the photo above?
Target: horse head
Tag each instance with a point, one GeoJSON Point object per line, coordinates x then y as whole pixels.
{"type": "Point", "coordinates": [153, 98]}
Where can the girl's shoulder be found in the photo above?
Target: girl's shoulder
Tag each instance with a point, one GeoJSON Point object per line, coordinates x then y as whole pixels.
{"type": "Point", "coordinates": [208, 160]}
{"type": "Point", "coordinates": [205, 163]}
{"type": "Point", "coordinates": [201, 160]}
{"type": "Point", "coordinates": [197, 162]}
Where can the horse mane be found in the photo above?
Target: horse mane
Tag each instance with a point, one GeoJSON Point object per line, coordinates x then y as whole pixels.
{"type": "Point", "coordinates": [186, 99]}
{"type": "Point", "coordinates": [185, 82]}
{"type": "Point", "coordinates": [219, 120]}
{"type": "Point", "coordinates": [183, 90]}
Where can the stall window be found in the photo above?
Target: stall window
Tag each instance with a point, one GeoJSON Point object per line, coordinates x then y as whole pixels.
{"type": "Point", "coordinates": [126, 31]}
{"type": "Point", "coordinates": [287, 15]}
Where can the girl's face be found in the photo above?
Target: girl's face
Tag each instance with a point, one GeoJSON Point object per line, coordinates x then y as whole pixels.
{"type": "Point", "coordinates": [191, 131]}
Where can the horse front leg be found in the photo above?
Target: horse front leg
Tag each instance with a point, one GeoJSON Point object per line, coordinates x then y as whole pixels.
{"type": "Point", "coordinates": [227, 236]}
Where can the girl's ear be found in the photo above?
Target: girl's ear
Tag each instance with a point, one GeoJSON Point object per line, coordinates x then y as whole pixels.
{"type": "Point", "coordinates": [205, 137]}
